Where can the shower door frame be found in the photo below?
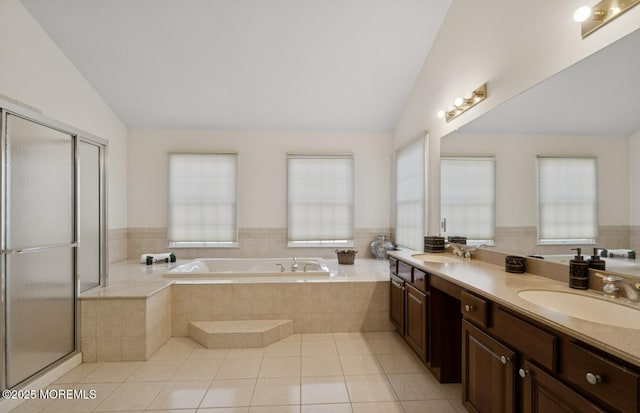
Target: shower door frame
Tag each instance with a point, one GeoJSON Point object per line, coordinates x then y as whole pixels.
{"type": "Point", "coordinates": [9, 108]}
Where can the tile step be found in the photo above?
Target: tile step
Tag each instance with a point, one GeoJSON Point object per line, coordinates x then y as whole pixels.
{"type": "Point", "coordinates": [239, 333]}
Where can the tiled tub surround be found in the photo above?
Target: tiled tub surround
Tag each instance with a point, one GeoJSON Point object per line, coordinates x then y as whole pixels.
{"type": "Point", "coordinates": [140, 310]}
{"type": "Point", "coordinates": [252, 242]}
{"type": "Point", "coordinates": [118, 244]}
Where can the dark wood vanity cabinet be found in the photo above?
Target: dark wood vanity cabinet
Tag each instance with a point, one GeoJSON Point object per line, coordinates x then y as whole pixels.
{"type": "Point", "coordinates": [514, 364]}
{"type": "Point", "coordinates": [416, 316]}
{"type": "Point", "coordinates": [488, 376]}
{"type": "Point", "coordinates": [396, 304]}
{"type": "Point", "coordinates": [543, 393]}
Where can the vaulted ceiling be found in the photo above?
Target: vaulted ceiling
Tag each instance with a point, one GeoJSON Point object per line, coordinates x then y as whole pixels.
{"type": "Point", "coordinates": [324, 65]}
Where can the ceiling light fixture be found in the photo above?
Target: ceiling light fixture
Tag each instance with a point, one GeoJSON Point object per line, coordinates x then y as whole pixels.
{"type": "Point", "coordinates": [593, 18]}
{"type": "Point", "coordinates": [463, 104]}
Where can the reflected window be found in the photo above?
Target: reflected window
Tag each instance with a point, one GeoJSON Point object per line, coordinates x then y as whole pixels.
{"type": "Point", "coordinates": [567, 200]}
{"type": "Point", "coordinates": [467, 197]}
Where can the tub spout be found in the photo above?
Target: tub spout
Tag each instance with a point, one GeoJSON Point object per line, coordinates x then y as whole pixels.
{"type": "Point", "coordinates": [294, 265]}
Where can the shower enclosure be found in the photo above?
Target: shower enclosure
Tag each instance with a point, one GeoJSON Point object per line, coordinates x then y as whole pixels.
{"type": "Point", "coordinates": [52, 238]}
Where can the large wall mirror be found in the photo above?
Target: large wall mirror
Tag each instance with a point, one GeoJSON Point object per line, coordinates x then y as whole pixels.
{"type": "Point", "coordinates": [589, 111]}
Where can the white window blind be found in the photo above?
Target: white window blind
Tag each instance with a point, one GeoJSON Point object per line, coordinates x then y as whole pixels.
{"type": "Point", "coordinates": [410, 195]}
{"type": "Point", "coordinates": [467, 197]}
{"type": "Point", "coordinates": [203, 199]}
{"type": "Point", "coordinates": [567, 200]}
{"type": "Point", "coordinates": [320, 200]}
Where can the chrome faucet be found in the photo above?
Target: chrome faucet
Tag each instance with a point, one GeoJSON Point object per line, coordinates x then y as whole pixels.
{"type": "Point", "coordinates": [610, 288]}
{"type": "Point", "coordinates": [467, 253]}
{"type": "Point", "coordinates": [462, 250]}
{"type": "Point", "coordinates": [294, 265]}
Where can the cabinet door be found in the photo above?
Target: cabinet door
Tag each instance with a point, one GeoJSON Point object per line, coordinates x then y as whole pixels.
{"type": "Point", "coordinates": [416, 304]}
{"type": "Point", "coordinates": [543, 394]}
{"type": "Point", "coordinates": [488, 372]}
{"type": "Point", "coordinates": [396, 306]}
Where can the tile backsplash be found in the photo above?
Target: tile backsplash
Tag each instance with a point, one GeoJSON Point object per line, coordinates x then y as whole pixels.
{"type": "Point", "coordinates": [253, 242]}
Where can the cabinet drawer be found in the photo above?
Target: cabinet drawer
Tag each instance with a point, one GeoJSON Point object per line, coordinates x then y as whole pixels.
{"type": "Point", "coordinates": [529, 339]}
{"type": "Point", "coordinates": [420, 280]}
{"type": "Point", "coordinates": [612, 383]}
{"type": "Point", "coordinates": [474, 308]}
{"type": "Point", "coordinates": [393, 266]}
{"type": "Point", "coordinates": [404, 271]}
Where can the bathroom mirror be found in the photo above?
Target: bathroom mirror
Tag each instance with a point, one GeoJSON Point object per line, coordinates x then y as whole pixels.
{"type": "Point", "coordinates": [591, 109]}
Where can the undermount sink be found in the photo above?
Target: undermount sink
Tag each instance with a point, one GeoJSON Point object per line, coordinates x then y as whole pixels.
{"type": "Point", "coordinates": [584, 307]}
{"type": "Point", "coordinates": [434, 258]}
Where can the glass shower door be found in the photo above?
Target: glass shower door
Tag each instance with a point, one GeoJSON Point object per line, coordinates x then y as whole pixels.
{"type": "Point", "coordinates": [39, 246]}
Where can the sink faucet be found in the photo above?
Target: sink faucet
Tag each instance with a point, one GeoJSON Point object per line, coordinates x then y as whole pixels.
{"type": "Point", "coordinates": [467, 253]}
{"type": "Point", "coordinates": [463, 250]}
{"type": "Point", "coordinates": [610, 288]}
{"type": "Point", "coordinates": [294, 265]}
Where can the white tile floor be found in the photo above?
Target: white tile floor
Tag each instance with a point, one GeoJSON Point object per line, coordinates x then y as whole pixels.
{"type": "Point", "coordinates": [305, 373]}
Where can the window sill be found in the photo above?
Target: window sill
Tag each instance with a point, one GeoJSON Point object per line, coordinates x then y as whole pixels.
{"type": "Point", "coordinates": [180, 245]}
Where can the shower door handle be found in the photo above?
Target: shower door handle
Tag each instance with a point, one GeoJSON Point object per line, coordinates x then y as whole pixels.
{"type": "Point", "coordinates": [37, 249]}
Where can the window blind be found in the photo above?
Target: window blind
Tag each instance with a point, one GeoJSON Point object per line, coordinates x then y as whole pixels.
{"type": "Point", "coordinates": [320, 199]}
{"type": "Point", "coordinates": [410, 195]}
{"type": "Point", "coordinates": [467, 191]}
{"type": "Point", "coordinates": [567, 199]}
{"type": "Point", "coordinates": [202, 199]}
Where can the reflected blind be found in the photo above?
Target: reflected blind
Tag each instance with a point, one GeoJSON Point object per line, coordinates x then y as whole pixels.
{"type": "Point", "coordinates": [567, 199]}
{"type": "Point", "coordinates": [410, 195]}
{"type": "Point", "coordinates": [467, 196]}
{"type": "Point", "coordinates": [202, 198]}
{"type": "Point", "coordinates": [320, 199]}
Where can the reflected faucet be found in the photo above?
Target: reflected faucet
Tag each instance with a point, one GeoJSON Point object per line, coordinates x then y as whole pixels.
{"type": "Point", "coordinates": [294, 265]}
{"type": "Point", "coordinates": [463, 251]}
{"type": "Point", "coordinates": [610, 288]}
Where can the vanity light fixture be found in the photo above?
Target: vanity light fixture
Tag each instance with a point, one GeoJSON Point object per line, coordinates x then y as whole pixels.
{"type": "Point", "coordinates": [463, 104]}
{"type": "Point", "coordinates": [593, 18]}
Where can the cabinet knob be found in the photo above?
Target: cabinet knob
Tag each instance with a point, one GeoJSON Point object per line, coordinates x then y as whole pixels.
{"type": "Point", "coordinates": [468, 308]}
{"type": "Point", "coordinates": [594, 378]}
{"type": "Point", "coordinates": [523, 373]}
{"type": "Point", "coordinates": [504, 359]}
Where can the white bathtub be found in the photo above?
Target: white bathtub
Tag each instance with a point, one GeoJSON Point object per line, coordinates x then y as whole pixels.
{"type": "Point", "coordinates": [250, 267]}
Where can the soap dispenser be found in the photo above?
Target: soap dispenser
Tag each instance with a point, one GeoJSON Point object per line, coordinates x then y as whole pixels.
{"type": "Point", "coordinates": [596, 262]}
{"type": "Point", "coordinates": [578, 271]}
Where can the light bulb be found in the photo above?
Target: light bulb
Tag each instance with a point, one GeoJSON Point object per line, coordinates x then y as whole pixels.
{"type": "Point", "coordinates": [441, 114]}
{"type": "Point", "coordinates": [582, 14]}
{"type": "Point", "coordinates": [614, 10]}
{"type": "Point", "coordinates": [458, 101]}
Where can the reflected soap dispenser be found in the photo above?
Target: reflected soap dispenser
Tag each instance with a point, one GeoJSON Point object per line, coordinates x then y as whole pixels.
{"type": "Point", "coordinates": [596, 262]}
{"type": "Point", "coordinates": [578, 271]}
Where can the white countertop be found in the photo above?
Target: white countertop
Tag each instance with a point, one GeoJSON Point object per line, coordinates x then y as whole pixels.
{"type": "Point", "coordinates": [493, 282]}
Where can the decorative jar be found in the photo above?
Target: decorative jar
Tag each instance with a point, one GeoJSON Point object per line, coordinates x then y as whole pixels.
{"type": "Point", "coordinates": [380, 246]}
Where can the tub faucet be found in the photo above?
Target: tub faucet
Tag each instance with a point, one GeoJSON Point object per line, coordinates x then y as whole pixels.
{"type": "Point", "coordinates": [610, 288]}
{"type": "Point", "coordinates": [294, 265]}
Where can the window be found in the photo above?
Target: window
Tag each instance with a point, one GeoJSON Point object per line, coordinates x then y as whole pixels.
{"type": "Point", "coordinates": [567, 200]}
{"type": "Point", "coordinates": [467, 197]}
{"type": "Point", "coordinates": [410, 195]}
{"type": "Point", "coordinates": [320, 200]}
{"type": "Point", "coordinates": [203, 200]}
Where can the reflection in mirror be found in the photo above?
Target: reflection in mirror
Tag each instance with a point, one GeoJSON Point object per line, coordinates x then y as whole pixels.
{"type": "Point", "coordinates": [590, 110]}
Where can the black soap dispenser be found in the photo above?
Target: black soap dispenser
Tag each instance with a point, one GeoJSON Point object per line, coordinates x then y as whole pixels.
{"type": "Point", "coordinates": [596, 262]}
{"type": "Point", "coordinates": [578, 271]}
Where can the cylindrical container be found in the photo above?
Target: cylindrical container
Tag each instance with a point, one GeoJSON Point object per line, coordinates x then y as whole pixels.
{"type": "Point", "coordinates": [596, 262]}
{"type": "Point", "coordinates": [457, 239]}
{"type": "Point", "coordinates": [433, 244]}
{"type": "Point", "coordinates": [579, 272]}
{"type": "Point", "coordinates": [514, 264]}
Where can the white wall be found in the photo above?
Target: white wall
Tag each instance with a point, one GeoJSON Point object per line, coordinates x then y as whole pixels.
{"type": "Point", "coordinates": [262, 171]}
{"type": "Point", "coordinates": [512, 45]}
{"type": "Point", "coordinates": [516, 173]}
{"type": "Point", "coordinates": [34, 71]}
